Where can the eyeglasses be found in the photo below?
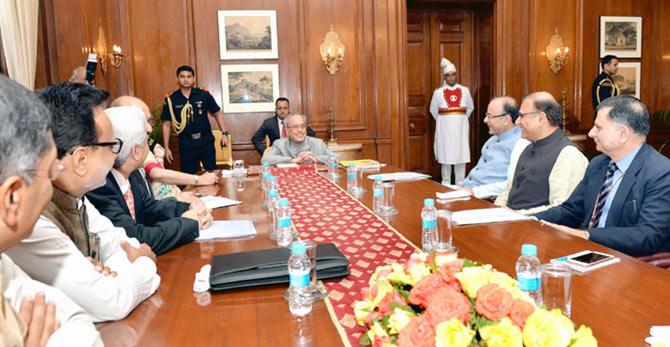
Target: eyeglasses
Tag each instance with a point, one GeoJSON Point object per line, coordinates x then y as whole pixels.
{"type": "Point", "coordinates": [522, 115]}
{"type": "Point", "coordinates": [115, 145]}
{"type": "Point", "coordinates": [52, 172]}
{"type": "Point", "coordinates": [492, 116]}
{"type": "Point", "coordinates": [298, 126]}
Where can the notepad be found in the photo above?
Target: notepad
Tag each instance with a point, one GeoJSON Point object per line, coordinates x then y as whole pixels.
{"type": "Point", "coordinates": [400, 176]}
{"type": "Point", "coordinates": [213, 202]}
{"type": "Point", "coordinates": [227, 229]}
{"type": "Point", "coordinates": [487, 215]}
{"type": "Point", "coordinates": [286, 165]}
{"type": "Point", "coordinates": [361, 163]}
{"type": "Point", "coordinates": [457, 194]}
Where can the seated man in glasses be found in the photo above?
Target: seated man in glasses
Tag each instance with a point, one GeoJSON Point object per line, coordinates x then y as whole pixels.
{"type": "Point", "coordinates": [27, 165]}
{"type": "Point", "coordinates": [500, 152]}
{"type": "Point", "coordinates": [550, 167]}
{"type": "Point", "coordinates": [298, 148]}
{"type": "Point", "coordinates": [72, 240]}
{"type": "Point", "coordinates": [162, 224]}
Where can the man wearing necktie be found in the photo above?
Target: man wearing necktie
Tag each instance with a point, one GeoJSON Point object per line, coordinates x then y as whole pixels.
{"type": "Point", "coordinates": [623, 200]}
{"type": "Point", "coordinates": [274, 128]}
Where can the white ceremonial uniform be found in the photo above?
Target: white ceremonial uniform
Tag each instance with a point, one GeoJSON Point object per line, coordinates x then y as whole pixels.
{"type": "Point", "coordinates": [452, 145]}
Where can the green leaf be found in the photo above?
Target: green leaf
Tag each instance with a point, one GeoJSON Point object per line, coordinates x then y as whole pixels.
{"type": "Point", "coordinates": [395, 305]}
{"type": "Point", "coordinates": [365, 340]}
{"type": "Point", "coordinates": [470, 263]}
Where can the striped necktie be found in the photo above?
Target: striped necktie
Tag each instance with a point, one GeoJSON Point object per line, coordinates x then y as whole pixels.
{"type": "Point", "coordinates": [605, 189]}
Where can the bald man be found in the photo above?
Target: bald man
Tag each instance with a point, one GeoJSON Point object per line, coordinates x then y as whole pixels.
{"type": "Point", "coordinates": [78, 75]}
{"type": "Point", "coordinates": [550, 167]}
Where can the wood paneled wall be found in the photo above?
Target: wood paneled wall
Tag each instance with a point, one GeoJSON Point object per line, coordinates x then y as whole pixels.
{"type": "Point", "coordinates": [368, 95]}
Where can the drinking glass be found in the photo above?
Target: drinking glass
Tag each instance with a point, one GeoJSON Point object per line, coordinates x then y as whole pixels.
{"type": "Point", "coordinates": [557, 287]}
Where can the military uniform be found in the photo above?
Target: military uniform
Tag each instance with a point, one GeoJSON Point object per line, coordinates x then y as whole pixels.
{"type": "Point", "coordinates": [603, 87]}
{"type": "Point", "coordinates": [196, 141]}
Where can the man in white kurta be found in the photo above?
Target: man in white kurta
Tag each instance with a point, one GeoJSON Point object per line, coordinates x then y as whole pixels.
{"type": "Point", "coordinates": [451, 107]}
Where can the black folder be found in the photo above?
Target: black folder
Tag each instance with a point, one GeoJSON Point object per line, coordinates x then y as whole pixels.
{"type": "Point", "coordinates": [270, 266]}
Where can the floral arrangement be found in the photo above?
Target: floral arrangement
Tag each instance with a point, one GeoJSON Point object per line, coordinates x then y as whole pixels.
{"type": "Point", "coordinates": [442, 300]}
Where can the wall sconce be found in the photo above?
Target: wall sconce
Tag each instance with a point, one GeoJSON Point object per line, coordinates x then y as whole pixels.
{"type": "Point", "coordinates": [332, 51]}
{"type": "Point", "coordinates": [115, 58]}
{"type": "Point", "coordinates": [557, 53]}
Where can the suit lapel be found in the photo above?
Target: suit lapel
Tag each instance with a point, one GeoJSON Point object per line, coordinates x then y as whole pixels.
{"type": "Point", "coordinates": [115, 187]}
{"type": "Point", "coordinates": [627, 182]}
{"type": "Point", "coordinates": [592, 190]}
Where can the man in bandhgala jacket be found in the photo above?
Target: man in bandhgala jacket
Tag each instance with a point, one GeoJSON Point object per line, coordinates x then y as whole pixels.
{"type": "Point", "coordinates": [451, 107]}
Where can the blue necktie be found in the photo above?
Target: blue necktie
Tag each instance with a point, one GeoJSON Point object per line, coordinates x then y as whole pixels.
{"type": "Point", "coordinates": [605, 189]}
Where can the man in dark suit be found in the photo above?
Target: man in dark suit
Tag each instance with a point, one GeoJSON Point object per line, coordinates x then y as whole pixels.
{"type": "Point", "coordinates": [274, 127]}
{"type": "Point", "coordinates": [624, 198]}
{"type": "Point", "coordinates": [162, 224]}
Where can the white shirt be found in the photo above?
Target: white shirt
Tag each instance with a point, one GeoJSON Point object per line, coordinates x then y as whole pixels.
{"type": "Point", "coordinates": [49, 256]}
{"type": "Point", "coordinates": [123, 182]}
{"type": "Point", "coordinates": [281, 127]}
{"type": "Point", "coordinates": [76, 326]}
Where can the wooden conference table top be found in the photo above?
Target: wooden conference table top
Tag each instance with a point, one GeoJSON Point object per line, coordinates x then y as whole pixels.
{"type": "Point", "coordinates": [619, 302]}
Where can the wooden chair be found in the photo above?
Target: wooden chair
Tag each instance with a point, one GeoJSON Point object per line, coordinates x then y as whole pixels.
{"type": "Point", "coordinates": [267, 144]}
{"type": "Point", "coordinates": [224, 155]}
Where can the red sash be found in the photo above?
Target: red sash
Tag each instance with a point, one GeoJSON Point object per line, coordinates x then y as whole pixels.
{"type": "Point", "coordinates": [453, 97]}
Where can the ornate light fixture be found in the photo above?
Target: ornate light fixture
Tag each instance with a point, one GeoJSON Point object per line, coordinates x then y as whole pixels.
{"type": "Point", "coordinates": [115, 58]}
{"type": "Point", "coordinates": [332, 51]}
{"type": "Point", "coordinates": [557, 53]}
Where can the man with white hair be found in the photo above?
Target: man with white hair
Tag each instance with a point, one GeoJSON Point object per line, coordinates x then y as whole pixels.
{"type": "Point", "coordinates": [298, 147]}
{"type": "Point", "coordinates": [162, 224]}
{"type": "Point", "coordinates": [451, 107]}
{"type": "Point", "coordinates": [71, 240]}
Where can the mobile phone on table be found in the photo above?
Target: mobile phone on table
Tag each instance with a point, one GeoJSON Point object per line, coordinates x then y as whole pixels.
{"type": "Point", "coordinates": [589, 258]}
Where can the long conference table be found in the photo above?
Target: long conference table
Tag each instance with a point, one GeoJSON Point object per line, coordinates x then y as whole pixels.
{"type": "Point", "coordinates": [619, 302]}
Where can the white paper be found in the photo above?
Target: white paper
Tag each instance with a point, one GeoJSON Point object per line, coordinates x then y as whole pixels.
{"type": "Point", "coordinates": [286, 165]}
{"type": "Point", "coordinates": [400, 176]}
{"type": "Point", "coordinates": [213, 202]}
{"type": "Point", "coordinates": [227, 229]}
{"type": "Point", "coordinates": [487, 215]}
{"type": "Point", "coordinates": [457, 194]}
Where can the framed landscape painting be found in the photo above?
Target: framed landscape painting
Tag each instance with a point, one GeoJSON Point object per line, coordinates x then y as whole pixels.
{"type": "Point", "coordinates": [249, 88]}
{"type": "Point", "coordinates": [621, 36]}
{"type": "Point", "coordinates": [248, 34]}
{"type": "Point", "coordinates": [628, 78]}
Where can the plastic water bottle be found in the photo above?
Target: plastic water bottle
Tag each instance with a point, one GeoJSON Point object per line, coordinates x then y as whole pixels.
{"type": "Point", "coordinates": [284, 232]}
{"type": "Point", "coordinates": [529, 272]}
{"type": "Point", "coordinates": [352, 179]}
{"type": "Point", "coordinates": [265, 173]}
{"type": "Point", "coordinates": [428, 225]}
{"type": "Point", "coordinates": [299, 297]}
{"type": "Point", "coordinates": [270, 185]}
{"type": "Point", "coordinates": [333, 172]}
{"type": "Point", "coordinates": [377, 195]}
{"type": "Point", "coordinates": [273, 197]}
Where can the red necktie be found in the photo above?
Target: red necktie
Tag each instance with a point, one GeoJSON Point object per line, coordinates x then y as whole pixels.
{"type": "Point", "coordinates": [283, 132]}
{"type": "Point", "coordinates": [130, 201]}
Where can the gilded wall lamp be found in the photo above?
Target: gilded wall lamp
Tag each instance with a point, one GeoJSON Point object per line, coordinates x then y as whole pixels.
{"type": "Point", "coordinates": [115, 58]}
{"type": "Point", "coordinates": [332, 51]}
{"type": "Point", "coordinates": [557, 53]}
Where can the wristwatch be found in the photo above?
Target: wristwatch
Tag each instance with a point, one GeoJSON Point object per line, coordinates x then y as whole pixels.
{"type": "Point", "coordinates": [225, 133]}
{"type": "Point", "coordinates": [195, 180]}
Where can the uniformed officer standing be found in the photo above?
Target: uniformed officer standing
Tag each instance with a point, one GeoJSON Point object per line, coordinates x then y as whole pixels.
{"type": "Point", "coordinates": [604, 86]}
{"type": "Point", "coordinates": [186, 112]}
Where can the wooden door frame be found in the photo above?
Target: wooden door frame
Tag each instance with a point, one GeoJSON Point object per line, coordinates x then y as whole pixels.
{"type": "Point", "coordinates": [402, 145]}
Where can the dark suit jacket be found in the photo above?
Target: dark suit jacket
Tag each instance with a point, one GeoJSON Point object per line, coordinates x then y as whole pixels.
{"type": "Point", "coordinates": [271, 129]}
{"type": "Point", "coordinates": [638, 221]}
{"type": "Point", "coordinates": [158, 222]}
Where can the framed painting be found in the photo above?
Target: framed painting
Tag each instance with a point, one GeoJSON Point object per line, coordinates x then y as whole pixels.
{"type": "Point", "coordinates": [248, 35]}
{"type": "Point", "coordinates": [627, 78]}
{"type": "Point", "coordinates": [621, 36]}
{"type": "Point", "coordinates": [249, 88]}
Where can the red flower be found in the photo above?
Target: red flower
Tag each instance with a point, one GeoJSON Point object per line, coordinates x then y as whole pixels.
{"type": "Point", "coordinates": [520, 312]}
{"type": "Point", "coordinates": [423, 291]}
{"type": "Point", "coordinates": [371, 316]}
{"type": "Point", "coordinates": [447, 303]}
{"type": "Point", "coordinates": [385, 305]}
{"type": "Point", "coordinates": [379, 341]}
{"type": "Point", "coordinates": [493, 302]}
{"type": "Point", "coordinates": [450, 269]}
{"type": "Point", "coordinates": [418, 333]}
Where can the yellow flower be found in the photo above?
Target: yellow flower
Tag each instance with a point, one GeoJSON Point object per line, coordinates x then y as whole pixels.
{"type": "Point", "coordinates": [399, 275]}
{"type": "Point", "coordinates": [399, 320]}
{"type": "Point", "coordinates": [362, 309]}
{"type": "Point", "coordinates": [453, 333]}
{"type": "Point", "coordinates": [547, 329]}
{"type": "Point", "coordinates": [376, 331]}
{"type": "Point", "coordinates": [417, 272]}
{"type": "Point", "coordinates": [473, 278]}
{"type": "Point", "coordinates": [383, 289]}
{"type": "Point", "coordinates": [501, 334]}
{"type": "Point", "coordinates": [376, 276]}
{"type": "Point", "coordinates": [441, 259]}
{"type": "Point", "coordinates": [584, 338]}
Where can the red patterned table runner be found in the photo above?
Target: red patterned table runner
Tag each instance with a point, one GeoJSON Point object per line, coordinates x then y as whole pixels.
{"type": "Point", "coordinates": [323, 212]}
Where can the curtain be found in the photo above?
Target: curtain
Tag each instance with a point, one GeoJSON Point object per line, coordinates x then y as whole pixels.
{"type": "Point", "coordinates": [18, 27]}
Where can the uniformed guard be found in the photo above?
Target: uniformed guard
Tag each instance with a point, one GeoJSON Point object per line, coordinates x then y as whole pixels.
{"type": "Point", "coordinates": [604, 86]}
{"type": "Point", "coordinates": [185, 112]}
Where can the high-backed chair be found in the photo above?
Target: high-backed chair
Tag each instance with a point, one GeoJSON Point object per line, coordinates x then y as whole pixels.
{"type": "Point", "coordinates": [224, 155]}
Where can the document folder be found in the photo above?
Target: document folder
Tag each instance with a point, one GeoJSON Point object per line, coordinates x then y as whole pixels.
{"type": "Point", "coordinates": [270, 266]}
